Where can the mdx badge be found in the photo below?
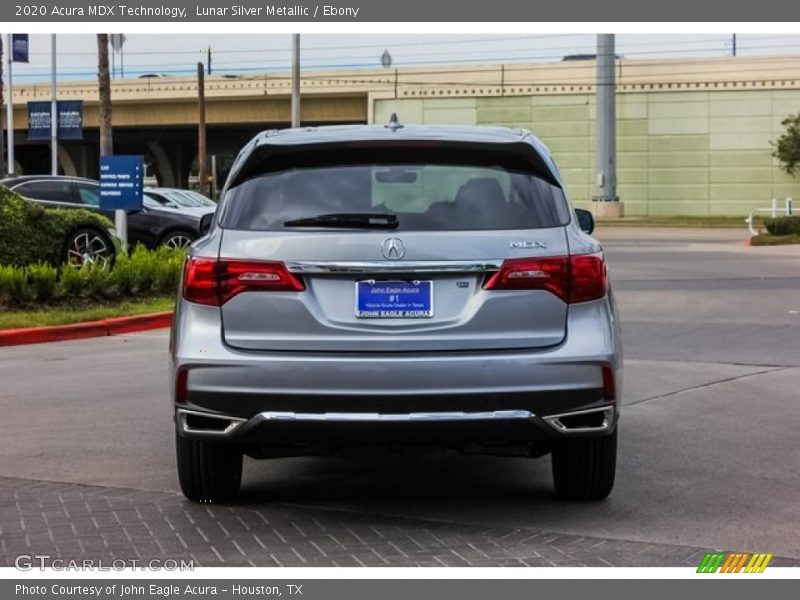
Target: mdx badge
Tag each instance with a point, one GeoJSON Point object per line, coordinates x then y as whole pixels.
{"type": "Point", "coordinates": [393, 249]}
{"type": "Point", "coordinates": [528, 244]}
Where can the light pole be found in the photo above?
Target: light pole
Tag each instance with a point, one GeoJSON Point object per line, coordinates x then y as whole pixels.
{"type": "Point", "coordinates": [2, 137]}
{"type": "Point", "coordinates": [606, 203]}
{"type": "Point", "coordinates": [386, 63]}
{"type": "Point", "coordinates": [53, 109]}
{"type": "Point", "coordinates": [10, 104]}
{"type": "Point", "coordinates": [296, 80]}
{"type": "Point", "coordinates": [202, 164]}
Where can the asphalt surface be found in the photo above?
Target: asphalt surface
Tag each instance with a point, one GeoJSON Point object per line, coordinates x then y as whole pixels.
{"type": "Point", "coordinates": [708, 449]}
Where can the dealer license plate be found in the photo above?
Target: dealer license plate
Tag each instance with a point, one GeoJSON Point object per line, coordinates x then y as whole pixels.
{"type": "Point", "coordinates": [394, 299]}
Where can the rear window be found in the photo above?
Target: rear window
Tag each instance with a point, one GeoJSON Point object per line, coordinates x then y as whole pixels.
{"type": "Point", "coordinates": [430, 196]}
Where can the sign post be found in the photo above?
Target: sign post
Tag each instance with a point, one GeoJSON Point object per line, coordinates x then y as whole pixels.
{"type": "Point", "coordinates": [53, 109]}
{"type": "Point", "coordinates": [121, 181]}
{"type": "Point", "coordinates": [17, 50]}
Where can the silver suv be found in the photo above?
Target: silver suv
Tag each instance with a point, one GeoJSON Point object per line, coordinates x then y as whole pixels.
{"type": "Point", "coordinates": [403, 285]}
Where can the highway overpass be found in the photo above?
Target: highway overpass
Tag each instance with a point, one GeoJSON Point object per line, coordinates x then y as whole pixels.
{"type": "Point", "coordinates": [693, 134]}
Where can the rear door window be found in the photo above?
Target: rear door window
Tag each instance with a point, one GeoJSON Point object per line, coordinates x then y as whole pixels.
{"type": "Point", "coordinates": [88, 194]}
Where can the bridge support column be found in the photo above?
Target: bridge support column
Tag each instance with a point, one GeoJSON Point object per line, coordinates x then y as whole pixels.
{"type": "Point", "coordinates": [162, 165]}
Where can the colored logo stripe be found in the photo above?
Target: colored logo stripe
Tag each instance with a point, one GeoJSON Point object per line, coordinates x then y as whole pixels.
{"type": "Point", "coordinates": [711, 562]}
{"type": "Point", "coordinates": [758, 563]}
{"type": "Point", "coordinates": [734, 562]}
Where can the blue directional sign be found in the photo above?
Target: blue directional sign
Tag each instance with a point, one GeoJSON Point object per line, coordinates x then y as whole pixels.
{"type": "Point", "coordinates": [121, 180]}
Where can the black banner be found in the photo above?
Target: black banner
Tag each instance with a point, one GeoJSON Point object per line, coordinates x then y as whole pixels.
{"type": "Point", "coordinates": [20, 47]}
{"type": "Point", "coordinates": [70, 120]}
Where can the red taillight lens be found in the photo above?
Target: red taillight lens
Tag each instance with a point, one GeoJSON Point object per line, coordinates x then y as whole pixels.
{"type": "Point", "coordinates": [200, 281]}
{"type": "Point", "coordinates": [609, 387]}
{"type": "Point", "coordinates": [181, 386]}
{"type": "Point", "coordinates": [237, 276]}
{"type": "Point", "coordinates": [574, 279]}
{"type": "Point", "coordinates": [588, 278]}
{"type": "Point", "coordinates": [214, 282]}
{"type": "Point", "coordinates": [551, 274]}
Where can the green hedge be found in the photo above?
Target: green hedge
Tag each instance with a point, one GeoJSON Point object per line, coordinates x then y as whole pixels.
{"type": "Point", "coordinates": [31, 234]}
{"type": "Point", "coordinates": [783, 225]}
{"type": "Point", "coordinates": [143, 273]}
{"type": "Point", "coordinates": [774, 240]}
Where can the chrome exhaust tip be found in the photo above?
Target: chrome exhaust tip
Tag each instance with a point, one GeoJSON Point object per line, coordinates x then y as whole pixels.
{"type": "Point", "coordinates": [202, 423]}
{"type": "Point", "coordinates": [591, 420]}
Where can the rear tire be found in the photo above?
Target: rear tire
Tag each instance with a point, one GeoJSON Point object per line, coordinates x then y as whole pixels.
{"type": "Point", "coordinates": [209, 471]}
{"type": "Point", "coordinates": [584, 468]}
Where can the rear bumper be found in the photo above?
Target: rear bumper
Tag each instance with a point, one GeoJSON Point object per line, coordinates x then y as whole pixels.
{"type": "Point", "coordinates": [343, 398]}
{"type": "Point", "coordinates": [327, 431]}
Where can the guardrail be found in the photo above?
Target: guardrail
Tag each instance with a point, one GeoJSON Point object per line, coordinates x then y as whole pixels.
{"type": "Point", "coordinates": [788, 209]}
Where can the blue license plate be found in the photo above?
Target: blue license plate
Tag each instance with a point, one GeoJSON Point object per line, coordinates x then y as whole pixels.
{"type": "Point", "coordinates": [394, 299]}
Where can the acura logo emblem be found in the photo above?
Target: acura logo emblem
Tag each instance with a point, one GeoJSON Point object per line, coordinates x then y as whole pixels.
{"type": "Point", "coordinates": [393, 249]}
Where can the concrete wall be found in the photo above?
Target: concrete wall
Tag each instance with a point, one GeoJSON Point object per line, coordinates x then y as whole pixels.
{"type": "Point", "coordinates": [683, 152]}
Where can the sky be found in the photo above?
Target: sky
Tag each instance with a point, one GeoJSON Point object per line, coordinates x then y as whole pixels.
{"type": "Point", "coordinates": [241, 54]}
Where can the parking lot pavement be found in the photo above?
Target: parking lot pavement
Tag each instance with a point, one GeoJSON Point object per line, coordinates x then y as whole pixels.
{"type": "Point", "coordinates": [104, 524]}
{"type": "Point", "coordinates": [708, 455]}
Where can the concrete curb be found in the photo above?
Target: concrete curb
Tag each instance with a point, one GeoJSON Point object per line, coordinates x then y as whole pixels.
{"type": "Point", "coordinates": [75, 331]}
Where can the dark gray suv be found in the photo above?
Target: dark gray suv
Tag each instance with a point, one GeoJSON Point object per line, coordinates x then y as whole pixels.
{"type": "Point", "coordinates": [411, 285]}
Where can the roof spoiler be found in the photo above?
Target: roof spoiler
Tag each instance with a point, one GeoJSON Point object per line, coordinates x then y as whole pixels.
{"type": "Point", "coordinates": [270, 158]}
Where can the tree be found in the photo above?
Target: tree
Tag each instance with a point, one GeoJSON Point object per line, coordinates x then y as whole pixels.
{"type": "Point", "coordinates": [106, 141]}
{"type": "Point", "coordinates": [2, 140]}
{"type": "Point", "coordinates": [787, 148]}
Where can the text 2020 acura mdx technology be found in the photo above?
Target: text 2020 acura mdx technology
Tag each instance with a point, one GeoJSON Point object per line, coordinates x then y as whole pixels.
{"type": "Point", "coordinates": [412, 285]}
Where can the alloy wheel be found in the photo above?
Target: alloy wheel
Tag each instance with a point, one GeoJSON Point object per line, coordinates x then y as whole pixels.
{"type": "Point", "coordinates": [178, 240]}
{"type": "Point", "coordinates": [87, 247]}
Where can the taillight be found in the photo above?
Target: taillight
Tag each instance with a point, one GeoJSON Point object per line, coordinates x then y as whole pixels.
{"type": "Point", "coordinates": [200, 281]}
{"type": "Point", "coordinates": [588, 277]}
{"type": "Point", "coordinates": [551, 274]}
{"type": "Point", "coordinates": [181, 386]}
{"type": "Point", "coordinates": [237, 276]}
{"type": "Point", "coordinates": [609, 387]}
{"type": "Point", "coordinates": [213, 282]}
{"type": "Point", "coordinates": [578, 278]}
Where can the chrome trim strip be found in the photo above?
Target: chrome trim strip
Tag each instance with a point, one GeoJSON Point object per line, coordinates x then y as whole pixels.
{"type": "Point", "coordinates": [379, 266]}
{"type": "Point", "coordinates": [555, 420]}
{"type": "Point", "coordinates": [396, 417]}
{"type": "Point", "coordinates": [182, 413]}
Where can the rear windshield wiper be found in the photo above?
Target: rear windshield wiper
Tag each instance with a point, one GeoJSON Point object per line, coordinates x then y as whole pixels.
{"type": "Point", "coordinates": [351, 220]}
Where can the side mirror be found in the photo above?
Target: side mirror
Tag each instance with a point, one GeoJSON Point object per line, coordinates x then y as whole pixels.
{"type": "Point", "coordinates": [205, 224]}
{"type": "Point", "coordinates": [585, 220]}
